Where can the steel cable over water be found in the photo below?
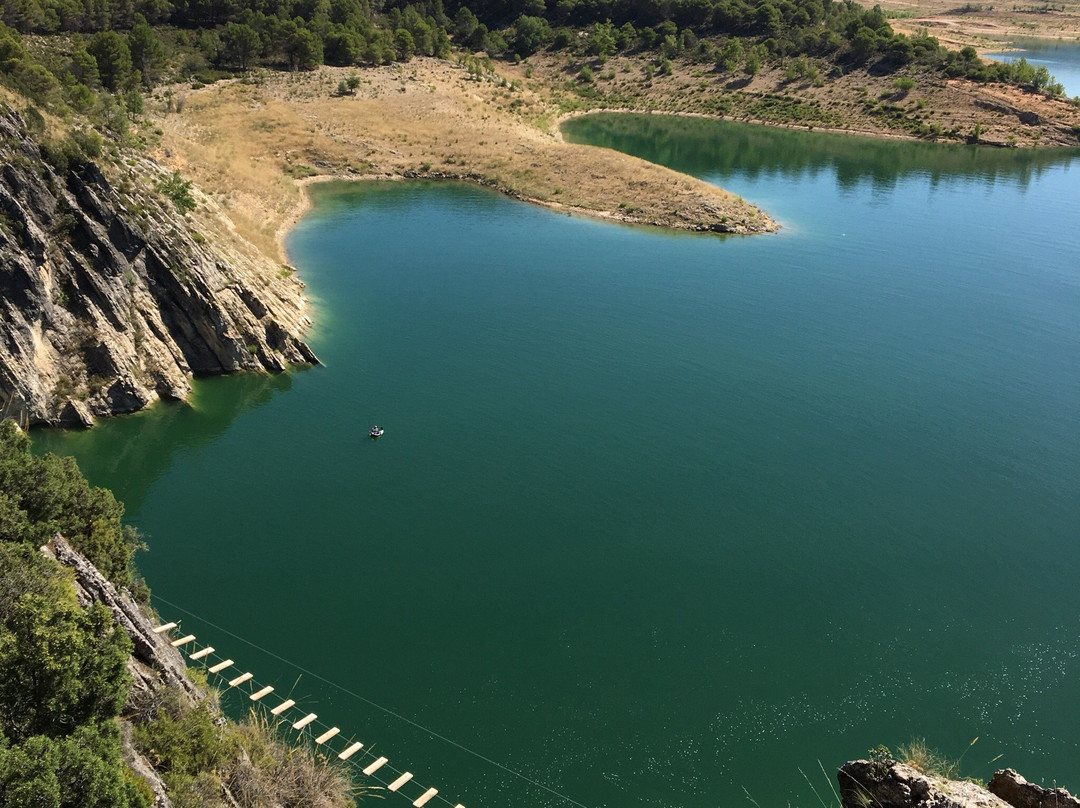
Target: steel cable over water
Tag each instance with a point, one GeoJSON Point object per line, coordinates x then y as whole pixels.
{"type": "Point", "coordinates": [365, 752]}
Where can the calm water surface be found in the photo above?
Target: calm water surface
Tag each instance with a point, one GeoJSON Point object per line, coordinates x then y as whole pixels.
{"type": "Point", "coordinates": [657, 518]}
{"type": "Point", "coordinates": [1060, 57]}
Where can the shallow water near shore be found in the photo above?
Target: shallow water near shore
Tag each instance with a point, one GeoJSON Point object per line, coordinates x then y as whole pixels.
{"type": "Point", "coordinates": [658, 519]}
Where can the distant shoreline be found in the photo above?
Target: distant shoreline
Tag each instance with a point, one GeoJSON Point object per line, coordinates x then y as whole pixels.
{"type": "Point", "coordinates": [257, 148]}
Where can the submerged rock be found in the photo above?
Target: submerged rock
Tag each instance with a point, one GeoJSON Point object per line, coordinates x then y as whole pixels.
{"type": "Point", "coordinates": [110, 300]}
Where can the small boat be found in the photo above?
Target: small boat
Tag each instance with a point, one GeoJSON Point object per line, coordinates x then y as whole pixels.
{"type": "Point", "coordinates": [376, 431]}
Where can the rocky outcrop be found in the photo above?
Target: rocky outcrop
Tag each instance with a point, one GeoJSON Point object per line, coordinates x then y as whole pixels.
{"type": "Point", "coordinates": [155, 666]}
{"type": "Point", "coordinates": [111, 299]}
{"type": "Point", "coordinates": [153, 660]}
{"type": "Point", "coordinates": [1019, 793]}
{"type": "Point", "coordinates": [888, 784]}
{"type": "Point", "coordinates": [897, 785]}
{"type": "Point", "coordinates": [141, 766]}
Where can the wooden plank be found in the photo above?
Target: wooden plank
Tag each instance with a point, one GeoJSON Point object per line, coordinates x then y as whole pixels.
{"type": "Point", "coordinates": [259, 694]}
{"type": "Point", "coordinates": [326, 736]}
{"type": "Point", "coordinates": [221, 666]}
{"type": "Point", "coordinates": [303, 722]}
{"type": "Point", "coordinates": [374, 767]}
{"type": "Point", "coordinates": [239, 680]}
{"type": "Point", "coordinates": [182, 641]}
{"type": "Point", "coordinates": [285, 705]}
{"type": "Point", "coordinates": [405, 777]}
{"type": "Point", "coordinates": [352, 750]}
{"type": "Point", "coordinates": [163, 628]}
{"type": "Point", "coordinates": [424, 798]}
{"type": "Point", "coordinates": [207, 651]}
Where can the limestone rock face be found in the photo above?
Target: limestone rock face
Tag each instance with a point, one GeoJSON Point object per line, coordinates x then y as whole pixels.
{"type": "Point", "coordinates": [1019, 793]}
{"type": "Point", "coordinates": [864, 784]}
{"type": "Point", "coordinates": [152, 656]}
{"type": "Point", "coordinates": [110, 299]}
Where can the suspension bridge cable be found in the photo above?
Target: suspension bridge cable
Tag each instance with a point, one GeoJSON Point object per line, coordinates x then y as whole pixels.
{"type": "Point", "coordinates": [377, 706]}
{"type": "Point", "coordinates": [206, 653]}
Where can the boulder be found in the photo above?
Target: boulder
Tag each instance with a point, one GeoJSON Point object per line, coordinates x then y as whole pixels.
{"type": "Point", "coordinates": [897, 785]}
{"type": "Point", "coordinates": [1019, 793]}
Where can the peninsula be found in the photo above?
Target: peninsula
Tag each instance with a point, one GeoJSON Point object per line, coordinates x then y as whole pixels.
{"type": "Point", "coordinates": [149, 247]}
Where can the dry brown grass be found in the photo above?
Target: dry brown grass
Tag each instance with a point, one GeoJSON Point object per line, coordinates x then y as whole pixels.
{"type": "Point", "coordinates": [248, 145]}
{"type": "Point", "coordinates": [251, 146]}
{"type": "Point", "coordinates": [985, 23]}
{"type": "Point", "coordinates": [268, 771]}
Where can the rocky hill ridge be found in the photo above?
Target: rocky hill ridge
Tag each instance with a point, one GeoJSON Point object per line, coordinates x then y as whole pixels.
{"type": "Point", "coordinates": [110, 300]}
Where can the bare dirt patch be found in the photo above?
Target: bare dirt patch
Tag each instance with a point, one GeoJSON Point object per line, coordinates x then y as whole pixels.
{"type": "Point", "coordinates": [249, 145]}
{"type": "Point", "coordinates": [984, 24]}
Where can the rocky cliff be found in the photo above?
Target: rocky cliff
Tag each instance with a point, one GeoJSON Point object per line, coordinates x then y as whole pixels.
{"type": "Point", "coordinates": [110, 298]}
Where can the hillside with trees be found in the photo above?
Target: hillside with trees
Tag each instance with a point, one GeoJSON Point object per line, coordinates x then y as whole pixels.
{"type": "Point", "coordinates": [65, 687]}
{"type": "Point", "coordinates": [95, 57]}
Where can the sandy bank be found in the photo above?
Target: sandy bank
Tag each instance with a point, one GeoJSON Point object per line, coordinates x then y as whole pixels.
{"type": "Point", "coordinates": [253, 146]}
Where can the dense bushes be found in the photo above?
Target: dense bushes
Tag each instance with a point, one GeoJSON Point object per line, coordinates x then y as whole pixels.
{"type": "Point", "coordinates": [63, 675]}
{"type": "Point", "coordinates": [42, 496]}
{"type": "Point", "coordinates": [63, 679]}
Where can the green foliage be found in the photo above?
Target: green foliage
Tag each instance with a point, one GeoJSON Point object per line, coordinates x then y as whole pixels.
{"type": "Point", "coordinates": [178, 190]}
{"type": "Point", "coordinates": [788, 109]}
{"type": "Point", "coordinates": [183, 741]}
{"type": "Point", "coordinates": [880, 760]}
{"type": "Point", "coordinates": [530, 35]}
{"type": "Point", "coordinates": [63, 677]}
{"type": "Point", "coordinates": [602, 40]}
{"type": "Point", "coordinates": [60, 666]}
{"type": "Point", "coordinates": [83, 770]}
{"type": "Point", "coordinates": [240, 44]}
{"type": "Point", "coordinates": [730, 55]}
{"type": "Point", "coordinates": [753, 60]}
{"type": "Point", "coordinates": [903, 84]}
{"type": "Point", "coordinates": [304, 50]}
{"type": "Point", "coordinates": [37, 83]}
{"type": "Point", "coordinates": [147, 51]}
{"type": "Point", "coordinates": [113, 57]}
{"type": "Point", "coordinates": [48, 495]}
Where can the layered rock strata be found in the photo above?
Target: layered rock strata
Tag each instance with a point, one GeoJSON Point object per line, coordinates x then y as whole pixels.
{"type": "Point", "coordinates": [110, 298]}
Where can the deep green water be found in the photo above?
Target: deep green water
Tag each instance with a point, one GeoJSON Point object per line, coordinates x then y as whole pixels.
{"type": "Point", "coordinates": [657, 518]}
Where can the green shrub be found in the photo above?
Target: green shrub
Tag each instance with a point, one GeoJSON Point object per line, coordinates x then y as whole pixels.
{"type": "Point", "coordinates": [178, 190]}
{"type": "Point", "coordinates": [42, 496]}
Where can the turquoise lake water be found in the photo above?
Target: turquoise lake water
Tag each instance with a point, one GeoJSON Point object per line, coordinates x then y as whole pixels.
{"type": "Point", "coordinates": [1060, 57]}
{"type": "Point", "coordinates": [658, 519]}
